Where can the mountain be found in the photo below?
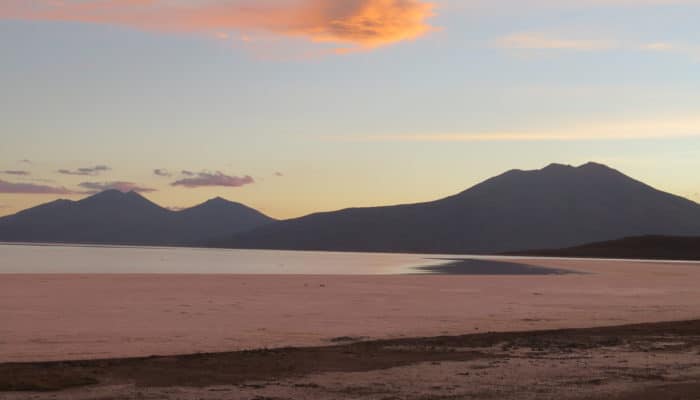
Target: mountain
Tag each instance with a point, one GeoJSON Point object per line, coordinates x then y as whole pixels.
{"type": "Point", "coordinates": [554, 207]}
{"type": "Point", "coordinates": [641, 247]}
{"type": "Point", "coordinates": [113, 217]}
{"type": "Point", "coordinates": [216, 218]}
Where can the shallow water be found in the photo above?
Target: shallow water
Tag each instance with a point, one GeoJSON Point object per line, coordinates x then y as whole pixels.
{"type": "Point", "coordinates": [80, 259]}
{"type": "Point", "coordinates": [83, 316]}
{"type": "Point", "coordinates": [160, 260]}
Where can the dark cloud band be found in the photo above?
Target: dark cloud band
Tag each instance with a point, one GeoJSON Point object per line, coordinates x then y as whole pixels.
{"type": "Point", "coordinates": [96, 170]}
{"type": "Point", "coordinates": [96, 187]}
{"type": "Point", "coordinates": [31, 188]}
{"type": "Point", "coordinates": [203, 179]}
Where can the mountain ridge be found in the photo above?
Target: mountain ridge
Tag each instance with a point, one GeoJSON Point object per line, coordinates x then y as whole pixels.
{"type": "Point", "coordinates": [639, 247]}
{"type": "Point", "coordinates": [556, 206]}
{"type": "Point", "coordinates": [115, 217]}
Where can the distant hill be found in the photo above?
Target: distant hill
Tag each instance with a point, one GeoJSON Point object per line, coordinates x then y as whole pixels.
{"type": "Point", "coordinates": [554, 207]}
{"type": "Point", "coordinates": [113, 217]}
{"type": "Point", "coordinates": [641, 247]}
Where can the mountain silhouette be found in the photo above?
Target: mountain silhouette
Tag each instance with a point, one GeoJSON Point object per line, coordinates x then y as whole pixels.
{"type": "Point", "coordinates": [639, 247]}
{"type": "Point", "coordinates": [554, 207]}
{"type": "Point", "coordinates": [113, 217]}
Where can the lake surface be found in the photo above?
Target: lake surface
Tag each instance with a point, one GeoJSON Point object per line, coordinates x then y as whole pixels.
{"type": "Point", "coordinates": [159, 260]}
{"type": "Point", "coordinates": [46, 317]}
{"type": "Point", "coordinates": [81, 259]}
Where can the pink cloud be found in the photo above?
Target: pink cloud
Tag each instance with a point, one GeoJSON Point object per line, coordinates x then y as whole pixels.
{"type": "Point", "coordinates": [359, 23]}
{"type": "Point", "coordinates": [96, 187]}
{"type": "Point", "coordinates": [214, 179]}
{"type": "Point", "coordinates": [30, 188]}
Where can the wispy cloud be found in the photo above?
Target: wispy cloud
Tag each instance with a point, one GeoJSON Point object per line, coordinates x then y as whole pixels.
{"type": "Point", "coordinates": [30, 188]}
{"type": "Point", "coordinates": [162, 173]}
{"type": "Point", "coordinates": [26, 161]}
{"type": "Point", "coordinates": [547, 41]}
{"type": "Point", "coordinates": [44, 180]}
{"type": "Point", "coordinates": [96, 187]}
{"type": "Point", "coordinates": [686, 49]}
{"type": "Point", "coordinates": [539, 41]}
{"type": "Point", "coordinates": [218, 178]}
{"type": "Point", "coordinates": [362, 24]}
{"type": "Point", "coordinates": [509, 5]}
{"type": "Point", "coordinates": [15, 172]}
{"type": "Point", "coordinates": [624, 130]}
{"type": "Point", "coordinates": [92, 171]}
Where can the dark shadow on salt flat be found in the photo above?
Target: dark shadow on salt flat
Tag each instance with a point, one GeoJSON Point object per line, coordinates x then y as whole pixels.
{"type": "Point", "coordinates": [489, 267]}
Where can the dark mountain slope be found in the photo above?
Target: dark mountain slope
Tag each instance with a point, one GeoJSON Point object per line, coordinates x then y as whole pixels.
{"type": "Point", "coordinates": [216, 218]}
{"type": "Point", "coordinates": [641, 247]}
{"type": "Point", "coordinates": [113, 217]}
{"type": "Point", "coordinates": [558, 206]}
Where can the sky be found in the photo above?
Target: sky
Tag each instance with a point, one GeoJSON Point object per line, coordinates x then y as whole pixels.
{"type": "Point", "coordinates": [298, 106]}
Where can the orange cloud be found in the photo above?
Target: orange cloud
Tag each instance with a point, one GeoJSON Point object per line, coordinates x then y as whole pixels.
{"type": "Point", "coordinates": [358, 23]}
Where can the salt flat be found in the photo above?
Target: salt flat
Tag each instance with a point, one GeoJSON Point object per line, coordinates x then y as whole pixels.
{"type": "Point", "coordinates": [83, 316]}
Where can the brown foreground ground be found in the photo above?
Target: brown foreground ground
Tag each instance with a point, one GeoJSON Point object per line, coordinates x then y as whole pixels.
{"type": "Point", "coordinates": [648, 361]}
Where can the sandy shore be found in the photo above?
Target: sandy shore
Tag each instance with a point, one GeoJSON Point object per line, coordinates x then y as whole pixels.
{"type": "Point", "coordinates": [643, 362]}
{"type": "Point", "coordinates": [59, 317]}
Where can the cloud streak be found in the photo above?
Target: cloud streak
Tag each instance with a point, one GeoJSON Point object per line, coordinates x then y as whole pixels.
{"type": "Point", "coordinates": [543, 41]}
{"type": "Point", "coordinates": [16, 172]}
{"type": "Point", "coordinates": [690, 50]}
{"type": "Point", "coordinates": [96, 170]}
{"type": "Point", "coordinates": [162, 173]}
{"type": "Point", "coordinates": [625, 130]}
{"type": "Point", "coordinates": [539, 41]}
{"type": "Point", "coordinates": [203, 179]}
{"type": "Point", "coordinates": [362, 24]}
{"type": "Point", "coordinates": [30, 188]}
{"type": "Point", "coordinates": [96, 187]}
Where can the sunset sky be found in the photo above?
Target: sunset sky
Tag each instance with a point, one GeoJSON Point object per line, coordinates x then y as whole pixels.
{"type": "Point", "coordinates": [296, 106]}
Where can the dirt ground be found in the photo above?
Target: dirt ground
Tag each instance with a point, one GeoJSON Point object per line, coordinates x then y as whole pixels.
{"type": "Point", "coordinates": [648, 361]}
